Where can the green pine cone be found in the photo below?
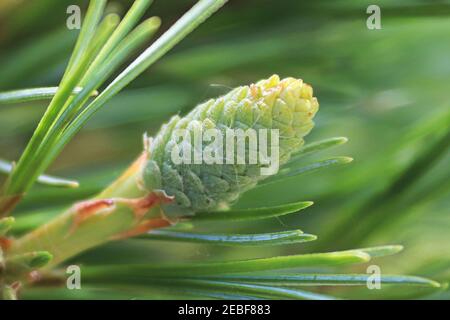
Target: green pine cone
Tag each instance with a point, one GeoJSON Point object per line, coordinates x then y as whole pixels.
{"type": "Point", "coordinates": [287, 105]}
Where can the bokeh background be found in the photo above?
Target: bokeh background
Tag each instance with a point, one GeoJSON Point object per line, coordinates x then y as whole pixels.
{"type": "Point", "coordinates": [386, 90]}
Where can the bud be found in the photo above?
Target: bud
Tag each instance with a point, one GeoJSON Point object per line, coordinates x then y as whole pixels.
{"type": "Point", "coordinates": [286, 106]}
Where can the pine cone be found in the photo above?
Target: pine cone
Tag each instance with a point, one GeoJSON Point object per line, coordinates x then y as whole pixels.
{"type": "Point", "coordinates": [287, 105]}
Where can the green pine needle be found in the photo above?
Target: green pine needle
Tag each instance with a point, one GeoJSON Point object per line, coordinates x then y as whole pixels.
{"type": "Point", "coordinates": [292, 170]}
{"type": "Point", "coordinates": [321, 279]}
{"type": "Point", "coordinates": [263, 239]}
{"type": "Point", "coordinates": [6, 168]}
{"type": "Point", "coordinates": [318, 146]}
{"type": "Point", "coordinates": [328, 259]}
{"type": "Point", "coordinates": [253, 213]}
{"type": "Point", "coordinates": [34, 94]}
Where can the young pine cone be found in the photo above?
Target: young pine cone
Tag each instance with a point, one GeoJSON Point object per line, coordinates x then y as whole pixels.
{"type": "Point", "coordinates": [285, 108]}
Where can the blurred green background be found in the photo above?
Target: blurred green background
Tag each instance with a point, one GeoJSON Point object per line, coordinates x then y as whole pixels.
{"type": "Point", "coordinates": [386, 90]}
